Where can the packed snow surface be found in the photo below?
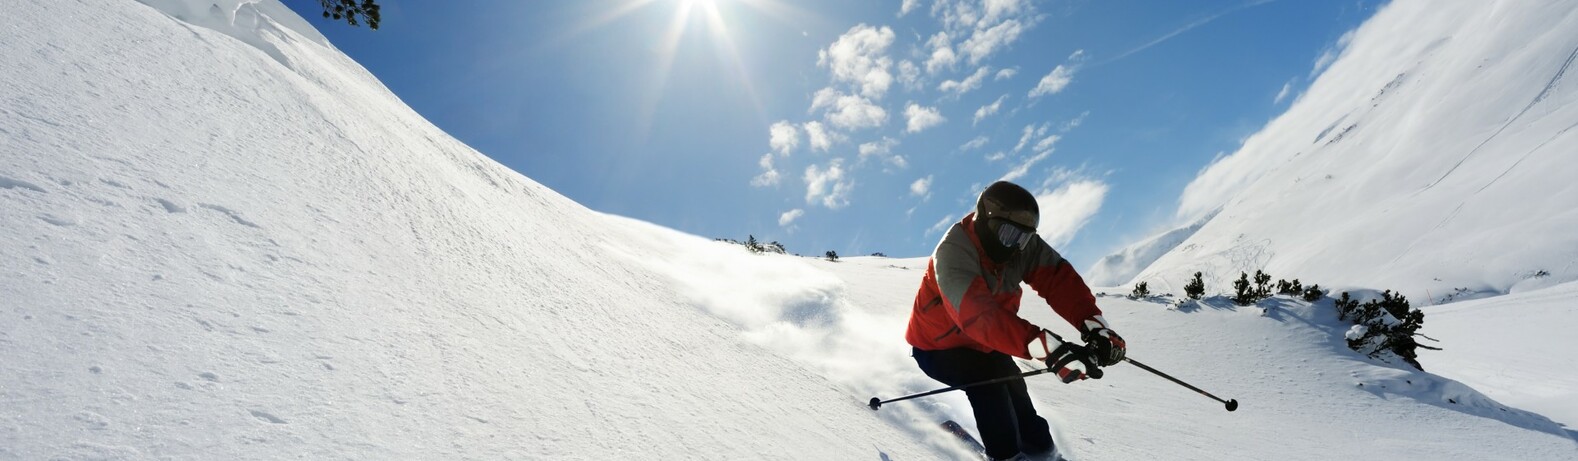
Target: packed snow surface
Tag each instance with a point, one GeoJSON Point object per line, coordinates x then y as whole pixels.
{"type": "Point", "coordinates": [1516, 348]}
{"type": "Point", "coordinates": [225, 240]}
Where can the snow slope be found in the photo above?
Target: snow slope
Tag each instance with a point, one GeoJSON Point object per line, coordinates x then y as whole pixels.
{"type": "Point", "coordinates": [1435, 153]}
{"type": "Point", "coordinates": [1516, 348]}
{"type": "Point", "coordinates": [217, 251]}
{"type": "Point", "coordinates": [225, 240]}
{"type": "Point", "coordinates": [1303, 394]}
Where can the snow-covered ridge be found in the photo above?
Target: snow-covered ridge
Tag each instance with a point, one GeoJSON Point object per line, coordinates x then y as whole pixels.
{"type": "Point", "coordinates": [1118, 268]}
{"type": "Point", "coordinates": [244, 20]}
{"type": "Point", "coordinates": [1432, 157]}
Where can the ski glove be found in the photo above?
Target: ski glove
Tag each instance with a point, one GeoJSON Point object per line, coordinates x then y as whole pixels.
{"type": "Point", "coordinates": [1066, 354]}
{"type": "Point", "coordinates": [1106, 345]}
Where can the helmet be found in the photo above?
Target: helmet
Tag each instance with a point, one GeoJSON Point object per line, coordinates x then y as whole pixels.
{"type": "Point", "coordinates": [1008, 215]}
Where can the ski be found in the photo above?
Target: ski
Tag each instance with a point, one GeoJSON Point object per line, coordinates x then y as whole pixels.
{"type": "Point", "coordinates": [964, 436]}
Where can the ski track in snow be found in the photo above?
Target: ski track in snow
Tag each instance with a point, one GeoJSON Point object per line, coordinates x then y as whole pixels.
{"type": "Point", "coordinates": [1544, 92]}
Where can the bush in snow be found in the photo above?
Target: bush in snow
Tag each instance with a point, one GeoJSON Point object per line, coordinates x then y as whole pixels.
{"type": "Point", "coordinates": [1141, 290]}
{"type": "Point", "coordinates": [1242, 295]}
{"type": "Point", "coordinates": [1293, 288]}
{"type": "Point", "coordinates": [1262, 285]}
{"type": "Point", "coordinates": [879, 255]}
{"type": "Point", "coordinates": [1195, 288]}
{"type": "Point", "coordinates": [1313, 293]}
{"type": "Point", "coordinates": [756, 246]}
{"type": "Point", "coordinates": [1346, 306]}
{"type": "Point", "coordinates": [1385, 326]}
{"type": "Point", "coordinates": [350, 10]}
{"type": "Point", "coordinates": [831, 255]}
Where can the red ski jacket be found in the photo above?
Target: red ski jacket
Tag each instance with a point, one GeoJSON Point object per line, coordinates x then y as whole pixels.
{"type": "Point", "coordinates": [966, 300]}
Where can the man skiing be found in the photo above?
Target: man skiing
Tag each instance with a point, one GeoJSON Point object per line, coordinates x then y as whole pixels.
{"type": "Point", "coordinates": [965, 325]}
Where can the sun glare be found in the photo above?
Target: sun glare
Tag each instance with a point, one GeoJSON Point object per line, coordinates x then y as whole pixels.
{"type": "Point", "coordinates": [686, 17]}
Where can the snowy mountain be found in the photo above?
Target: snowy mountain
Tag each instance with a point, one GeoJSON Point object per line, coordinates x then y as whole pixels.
{"type": "Point", "coordinates": [223, 239]}
{"type": "Point", "coordinates": [1117, 269]}
{"type": "Point", "coordinates": [1434, 154]}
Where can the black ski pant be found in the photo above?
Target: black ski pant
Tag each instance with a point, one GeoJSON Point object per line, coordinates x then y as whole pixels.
{"type": "Point", "coordinates": [1003, 414]}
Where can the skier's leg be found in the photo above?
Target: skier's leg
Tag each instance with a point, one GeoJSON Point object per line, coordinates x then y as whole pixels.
{"type": "Point", "coordinates": [1034, 433]}
{"type": "Point", "coordinates": [994, 417]}
{"type": "Point", "coordinates": [992, 405]}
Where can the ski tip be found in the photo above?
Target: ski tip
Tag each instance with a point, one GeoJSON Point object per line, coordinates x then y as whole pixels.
{"type": "Point", "coordinates": [1232, 404]}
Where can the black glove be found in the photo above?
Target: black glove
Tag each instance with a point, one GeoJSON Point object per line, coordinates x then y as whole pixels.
{"type": "Point", "coordinates": [1106, 345]}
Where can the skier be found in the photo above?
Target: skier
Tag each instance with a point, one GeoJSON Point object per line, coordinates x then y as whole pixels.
{"type": "Point", "coordinates": [965, 323]}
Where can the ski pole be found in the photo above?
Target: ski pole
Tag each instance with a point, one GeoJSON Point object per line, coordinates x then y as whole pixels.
{"type": "Point", "coordinates": [1231, 404]}
{"type": "Point", "coordinates": [1058, 361]}
{"type": "Point", "coordinates": [877, 403]}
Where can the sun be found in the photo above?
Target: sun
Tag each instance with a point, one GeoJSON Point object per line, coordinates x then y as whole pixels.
{"type": "Point", "coordinates": [698, 3]}
{"type": "Point", "coordinates": [688, 17]}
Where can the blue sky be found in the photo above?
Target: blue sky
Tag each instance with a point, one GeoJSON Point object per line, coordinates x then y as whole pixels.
{"type": "Point", "coordinates": [666, 110]}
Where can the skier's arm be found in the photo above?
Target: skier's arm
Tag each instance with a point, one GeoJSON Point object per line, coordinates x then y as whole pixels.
{"type": "Point", "coordinates": [971, 306]}
{"type": "Point", "coordinates": [1055, 280]}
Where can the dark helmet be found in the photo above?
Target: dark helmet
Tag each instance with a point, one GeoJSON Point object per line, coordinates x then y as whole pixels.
{"type": "Point", "coordinates": [1006, 216]}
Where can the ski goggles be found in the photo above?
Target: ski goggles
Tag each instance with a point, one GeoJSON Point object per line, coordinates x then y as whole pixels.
{"type": "Point", "coordinates": [1010, 234]}
{"type": "Point", "coordinates": [1013, 228]}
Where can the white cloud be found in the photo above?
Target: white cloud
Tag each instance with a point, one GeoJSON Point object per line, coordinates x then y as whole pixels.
{"type": "Point", "coordinates": [1031, 131]}
{"type": "Point", "coordinates": [984, 42]}
{"type": "Point", "coordinates": [1329, 55]}
{"type": "Point", "coordinates": [783, 137]}
{"type": "Point", "coordinates": [1046, 143]}
{"type": "Point", "coordinates": [942, 225]}
{"type": "Point", "coordinates": [1325, 59]}
{"type": "Point", "coordinates": [921, 187]}
{"type": "Point", "coordinates": [883, 149]}
{"type": "Point", "coordinates": [907, 7]}
{"type": "Point", "coordinates": [1007, 73]}
{"type": "Point", "coordinates": [859, 57]}
{"type": "Point", "coordinates": [989, 109]}
{"type": "Point", "coordinates": [942, 55]}
{"type": "Point", "coordinates": [788, 217]}
{"type": "Point", "coordinates": [769, 176]}
{"type": "Point", "coordinates": [1075, 123]}
{"type": "Point", "coordinates": [848, 112]}
{"type": "Point", "coordinates": [977, 143]}
{"type": "Point", "coordinates": [1066, 210]}
{"type": "Point", "coordinates": [1024, 167]}
{"type": "Point", "coordinates": [968, 84]}
{"type": "Point", "coordinates": [921, 118]}
{"type": "Point", "coordinates": [955, 14]}
{"type": "Point", "coordinates": [909, 75]}
{"type": "Point", "coordinates": [990, 25]}
{"type": "Point", "coordinates": [819, 137]}
{"type": "Point", "coordinates": [828, 185]}
{"type": "Point", "coordinates": [877, 147]}
{"type": "Point", "coordinates": [995, 156]}
{"type": "Point", "coordinates": [1281, 95]}
{"type": "Point", "coordinates": [1054, 82]}
{"type": "Point", "coordinates": [996, 10]}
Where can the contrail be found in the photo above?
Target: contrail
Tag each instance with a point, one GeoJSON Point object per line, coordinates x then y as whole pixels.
{"type": "Point", "coordinates": [1185, 28]}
